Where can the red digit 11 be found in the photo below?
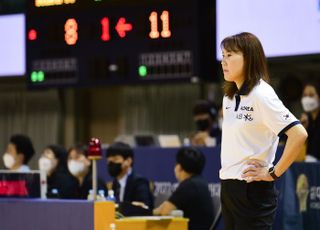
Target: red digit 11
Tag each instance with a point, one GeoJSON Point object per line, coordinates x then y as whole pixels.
{"type": "Point", "coordinates": [153, 18]}
{"type": "Point", "coordinates": [71, 34]}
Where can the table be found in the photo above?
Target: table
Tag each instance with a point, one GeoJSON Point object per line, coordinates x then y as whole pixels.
{"type": "Point", "coordinates": [153, 223]}
{"type": "Point", "coordinates": [39, 214]}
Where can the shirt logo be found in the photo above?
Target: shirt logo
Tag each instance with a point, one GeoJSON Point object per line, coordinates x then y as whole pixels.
{"type": "Point", "coordinates": [245, 117]}
{"type": "Point", "coordinates": [246, 108]}
{"type": "Point", "coordinates": [286, 116]}
{"type": "Point", "coordinates": [228, 107]}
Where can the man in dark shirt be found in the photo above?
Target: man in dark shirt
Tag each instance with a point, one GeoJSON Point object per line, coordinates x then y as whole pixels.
{"type": "Point", "coordinates": [192, 195]}
{"type": "Point", "coordinates": [127, 185]}
{"type": "Point", "coordinates": [206, 116]}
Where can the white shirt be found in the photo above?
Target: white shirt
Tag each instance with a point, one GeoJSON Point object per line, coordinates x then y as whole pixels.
{"type": "Point", "coordinates": [251, 129]}
{"type": "Point", "coordinates": [123, 182]}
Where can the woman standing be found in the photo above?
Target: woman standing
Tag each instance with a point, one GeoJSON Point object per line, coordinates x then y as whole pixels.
{"type": "Point", "coordinates": [253, 120]}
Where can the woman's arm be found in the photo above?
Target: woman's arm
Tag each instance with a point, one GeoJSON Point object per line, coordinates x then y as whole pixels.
{"type": "Point", "coordinates": [297, 136]}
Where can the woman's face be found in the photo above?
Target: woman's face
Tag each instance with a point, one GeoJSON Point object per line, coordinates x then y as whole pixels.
{"type": "Point", "coordinates": [78, 164]}
{"type": "Point", "coordinates": [232, 66]}
{"type": "Point", "coordinates": [48, 162]}
{"type": "Point", "coordinates": [11, 158]}
{"type": "Point", "coordinates": [310, 99]}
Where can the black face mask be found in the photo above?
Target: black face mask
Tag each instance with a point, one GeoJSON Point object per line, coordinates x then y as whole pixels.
{"type": "Point", "coordinates": [114, 169]}
{"type": "Point", "coordinates": [203, 125]}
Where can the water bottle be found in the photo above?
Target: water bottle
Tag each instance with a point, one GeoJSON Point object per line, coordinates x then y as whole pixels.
{"type": "Point", "coordinates": [111, 196]}
{"type": "Point", "coordinates": [176, 213]}
{"type": "Point", "coordinates": [101, 195]}
{"type": "Point", "coordinates": [90, 195]}
{"type": "Point", "coordinates": [186, 142]}
{"type": "Point", "coordinates": [112, 226]}
{"type": "Point", "coordinates": [53, 193]}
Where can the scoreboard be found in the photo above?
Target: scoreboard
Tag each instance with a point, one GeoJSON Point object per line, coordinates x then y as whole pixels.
{"type": "Point", "coordinates": [97, 42]}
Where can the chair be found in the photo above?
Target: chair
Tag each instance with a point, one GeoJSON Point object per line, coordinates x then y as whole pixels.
{"type": "Point", "coordinates": [160, 198]}
{"type": "Point", "coordinates": [217, 212]}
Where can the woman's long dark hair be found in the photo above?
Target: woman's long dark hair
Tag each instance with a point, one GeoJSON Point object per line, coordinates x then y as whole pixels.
{"type": "Point", "coordinates": [255, 63]}
{"type": "Point", "coordinates": [60, 154]}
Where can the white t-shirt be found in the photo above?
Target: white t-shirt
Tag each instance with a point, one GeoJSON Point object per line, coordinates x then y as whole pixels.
{"type": "Point", "coordinates": [251, 128]}
{"type": "Point", "coordinates": [123, 183]}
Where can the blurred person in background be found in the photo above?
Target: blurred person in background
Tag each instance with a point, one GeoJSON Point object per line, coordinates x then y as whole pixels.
{"type": "Point", "coordinates": [60, 182]}
{"type": "Point", "coordinates": [127, 185]}
{"type": "Point", "coordinates": [310, 119]}
{"type": "Point", "coordinates": [80, 167]}
{"type": "Point", "coordinates": [192, 195]}
{"type": "Point", "coordinates": [18, 154]}
{"type": "Point", "coordinates": [206, 117]}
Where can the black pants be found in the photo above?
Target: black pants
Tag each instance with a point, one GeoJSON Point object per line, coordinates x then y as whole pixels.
{"type": "Point", "coordinates": [248, 205]}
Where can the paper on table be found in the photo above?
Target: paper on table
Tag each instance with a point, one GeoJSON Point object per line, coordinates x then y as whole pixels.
{"type": "Point", "coordinates": [149, 217]}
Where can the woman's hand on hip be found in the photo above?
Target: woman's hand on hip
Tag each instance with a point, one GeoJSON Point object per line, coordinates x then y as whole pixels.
{"type": "Point", "coordinates": [256, 171]}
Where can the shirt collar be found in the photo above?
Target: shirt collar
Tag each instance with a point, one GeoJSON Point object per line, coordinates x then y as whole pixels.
{"type": "Point", "coordinates": [244, 89]}
{"type": "Point", "coordinates": [123, 180]}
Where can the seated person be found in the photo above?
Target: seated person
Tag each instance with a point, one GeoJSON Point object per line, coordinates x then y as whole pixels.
{"type": "Point", "coordinates": [311, 119]}
{"type": "Point", "coordinates": [80, 167]}
{"type": "Point", "coordinates": [18, 154]}
{"type": "Point", "coordinates": [127, 185]}
{"type": "Point", "coordinates": [192, 195]}
{"type": "Point", "coordinates": [205, 116]}
{"type": "Point", "coordinates": [61, 184]}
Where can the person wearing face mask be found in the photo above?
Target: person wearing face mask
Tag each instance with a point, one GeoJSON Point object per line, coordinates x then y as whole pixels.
{"type": "Point", "coordinates": [127, 185]}
{"type": "Point", "coordinates": [206, 117]}
{"type": "Point", "coordinates": [61, 184]}
{"type": "Point", "coordinates": [18, 154]}
{"type": "Point", "coordinates": [311, 119]}
{"type": "Point", "coordinates": [192, 195]}
{"type": "Point", "coordinates": [80, 167]}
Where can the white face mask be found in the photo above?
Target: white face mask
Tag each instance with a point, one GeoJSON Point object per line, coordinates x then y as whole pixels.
{"type": "Point", "coordinates": [45, 164]}
{"type": "Point", "coordinates": [76, 167]}
{"type": "Point", "coordinates": [8, 160]}
{"type": "Point", "coordinates": [309, 104]}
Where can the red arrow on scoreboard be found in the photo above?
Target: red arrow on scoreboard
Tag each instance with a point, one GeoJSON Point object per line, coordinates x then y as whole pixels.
{"type": "Point", "coordinates": [122, 27]}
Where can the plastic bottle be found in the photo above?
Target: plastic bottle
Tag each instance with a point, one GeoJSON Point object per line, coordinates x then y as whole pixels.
{"type": "Point", "coordinates": [112, 226]}
{"type": "Point", "coordinates": [53, 194]}
{"type": "Point", "coordinates": [111, 196]}
{"type": "Point", "coordinates": [90, 195]}
{"type": "Point", "coordinates": [186, 142]}
{"type": "Point", "coordinates": [101, 195]}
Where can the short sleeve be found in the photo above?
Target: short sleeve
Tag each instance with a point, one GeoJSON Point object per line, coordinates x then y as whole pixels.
{"type": "Point", "coordinates": [274, 114]}
{"type": "Point", "coordinates": [180, 196]}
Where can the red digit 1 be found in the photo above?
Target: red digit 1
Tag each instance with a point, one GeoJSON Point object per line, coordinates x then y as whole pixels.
{"type": "Point", "coordinates": [105, 35]}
